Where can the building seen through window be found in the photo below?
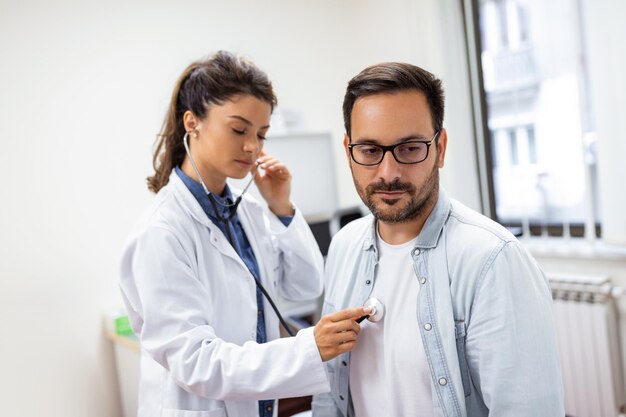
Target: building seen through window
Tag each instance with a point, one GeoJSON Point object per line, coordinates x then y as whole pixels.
{"type": "Point", "coordinates": [539, 118]}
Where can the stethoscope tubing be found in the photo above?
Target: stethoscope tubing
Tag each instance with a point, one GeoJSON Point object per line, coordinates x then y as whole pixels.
{"type": "Point", "coordinates": [226, 220]}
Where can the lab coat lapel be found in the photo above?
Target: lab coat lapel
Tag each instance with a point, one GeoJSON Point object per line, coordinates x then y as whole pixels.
{"type": "Point", "coordinates": [191, 205]}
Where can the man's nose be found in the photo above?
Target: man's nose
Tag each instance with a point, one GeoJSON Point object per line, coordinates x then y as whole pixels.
{"type": "Point", "coordinates": [389, 168]}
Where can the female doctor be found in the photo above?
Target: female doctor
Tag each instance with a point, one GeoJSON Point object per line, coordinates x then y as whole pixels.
{"type": "Point", "coordinates": [201, 266]}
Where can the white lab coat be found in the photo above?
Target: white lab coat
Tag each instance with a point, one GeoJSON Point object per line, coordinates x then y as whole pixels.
{"type": "Point", "coordinates": [192, 302]}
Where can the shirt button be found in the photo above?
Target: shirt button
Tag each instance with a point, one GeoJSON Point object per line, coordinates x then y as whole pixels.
{"type": "Point", "coordinates": [258, 312]}
{"type": "Point", "coordinates": [428, 326]}
{"type": "Point", "coordinates": [268, 408]}
{"type": "Point", "coordinates": [423, 280]}
{"type": "Point", "coordinates": [368, 282]}
{"type": "Point", "coordinates": [416, 251]}
{"type": "Point", "coordinates": [443, 381]}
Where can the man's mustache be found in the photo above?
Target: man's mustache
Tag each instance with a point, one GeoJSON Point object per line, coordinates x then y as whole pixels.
{"type": "Point", "coordinates": [390, 186]}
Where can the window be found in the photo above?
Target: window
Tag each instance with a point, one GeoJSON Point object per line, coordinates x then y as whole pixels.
{"type": "Point", "coordinates": [539, 121]}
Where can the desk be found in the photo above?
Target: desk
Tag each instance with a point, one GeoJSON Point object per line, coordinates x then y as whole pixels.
{"type": "Point", "coordinates": [126, 348]}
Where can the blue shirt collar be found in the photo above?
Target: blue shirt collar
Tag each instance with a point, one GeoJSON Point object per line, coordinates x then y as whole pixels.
{"type": "Point", "coordinates": [226, 199]}
{"type": "Point", "coordinates": [431, 231]}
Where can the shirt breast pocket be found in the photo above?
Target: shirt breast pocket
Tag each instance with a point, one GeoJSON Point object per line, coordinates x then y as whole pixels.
{"type": "Point", "coordinates": [460, 332]}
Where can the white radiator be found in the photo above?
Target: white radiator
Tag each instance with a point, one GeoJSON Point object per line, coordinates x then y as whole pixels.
{"type": "Point", "coordinates": [586, 319]}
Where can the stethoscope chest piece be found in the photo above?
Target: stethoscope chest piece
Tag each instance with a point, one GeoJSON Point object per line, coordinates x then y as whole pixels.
{"type": "Point", "coordinates": [378, 309]}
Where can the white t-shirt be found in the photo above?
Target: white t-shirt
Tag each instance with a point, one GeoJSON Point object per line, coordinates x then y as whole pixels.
{"type": "Point", "coordinates": [389, 373]}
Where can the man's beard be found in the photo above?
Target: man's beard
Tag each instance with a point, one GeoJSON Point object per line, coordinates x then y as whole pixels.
{"type": "Point", "coordinates": [419, 200]}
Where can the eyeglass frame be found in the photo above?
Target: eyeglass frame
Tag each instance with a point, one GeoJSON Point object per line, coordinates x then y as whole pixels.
{"type": "Point", "coordinates": [392, 148]}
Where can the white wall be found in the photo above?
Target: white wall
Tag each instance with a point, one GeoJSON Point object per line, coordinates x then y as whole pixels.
{"type": "Point", "coordinates": [83, 89]}
{"type": "Point", "coordinates": [604, 24]}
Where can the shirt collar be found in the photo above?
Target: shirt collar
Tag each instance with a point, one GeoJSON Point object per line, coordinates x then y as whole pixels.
{"type": "Point", "coordinates": [224, 201]}
{"type": "Point", "coordinates": [433, 226]}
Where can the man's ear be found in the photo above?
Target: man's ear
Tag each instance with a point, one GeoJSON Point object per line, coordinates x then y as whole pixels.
{"type": "Point", "coordinates": [346, 141]}
{"type": "Point", "coordinates": [190, 121]}
{"type": "Point", "coordinates": [442, 141]}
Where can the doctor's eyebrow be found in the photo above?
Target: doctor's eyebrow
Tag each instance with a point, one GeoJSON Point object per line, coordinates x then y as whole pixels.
{"type": "Point", "coordinates": [246, 121]}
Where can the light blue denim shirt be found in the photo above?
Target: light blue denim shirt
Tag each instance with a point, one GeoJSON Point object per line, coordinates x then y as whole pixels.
{"type": "Point", "coordinates": [484, 315]}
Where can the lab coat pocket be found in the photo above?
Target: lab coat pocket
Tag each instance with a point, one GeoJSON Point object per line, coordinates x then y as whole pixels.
{"type": "Point", "coordinates": [460, 350]}
{"type": "Point", "coordinates": [218, 412]}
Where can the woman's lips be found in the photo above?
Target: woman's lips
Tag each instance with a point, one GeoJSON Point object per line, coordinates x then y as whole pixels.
{"type": "Point", "coordinates": [247, 164]}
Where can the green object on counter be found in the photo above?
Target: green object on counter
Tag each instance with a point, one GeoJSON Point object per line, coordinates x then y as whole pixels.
{"type": "Point", "coordinates": [122, 325]}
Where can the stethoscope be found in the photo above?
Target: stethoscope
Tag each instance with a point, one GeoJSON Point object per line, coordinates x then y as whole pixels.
{"type": "Point", "coordinates": [378, 310]}
{"type": "Point", "coordinates": [232, 208]}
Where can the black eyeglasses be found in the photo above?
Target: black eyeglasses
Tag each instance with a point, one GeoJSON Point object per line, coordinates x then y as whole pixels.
{"type": "Point", "coordinates": [410, 152]}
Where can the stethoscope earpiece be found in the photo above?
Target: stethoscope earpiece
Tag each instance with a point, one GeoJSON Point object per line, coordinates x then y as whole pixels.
{"type": "Point", "coordinates": [378, 310]}
{"type": "Point", "coordinates": [232, 207]}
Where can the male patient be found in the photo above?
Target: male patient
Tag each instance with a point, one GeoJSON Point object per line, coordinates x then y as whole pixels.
{"type": "Point", "coordinates": [467, 328]}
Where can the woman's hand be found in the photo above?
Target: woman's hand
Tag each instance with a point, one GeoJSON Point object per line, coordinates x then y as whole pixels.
{"type": "Point", "coordinates": [274, 185]}
{"type": "Point", "coordinates": [336, 333]}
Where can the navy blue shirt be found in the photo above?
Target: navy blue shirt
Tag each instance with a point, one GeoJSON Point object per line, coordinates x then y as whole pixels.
{"type": "Point", "coordinates": [242, 246]}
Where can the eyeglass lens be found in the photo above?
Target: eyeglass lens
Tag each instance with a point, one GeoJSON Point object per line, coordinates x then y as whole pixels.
{"type": "Point", "coordinates": [408, 153]}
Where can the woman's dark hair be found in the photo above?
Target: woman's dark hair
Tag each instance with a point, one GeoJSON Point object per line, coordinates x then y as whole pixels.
{"type": "Point", "coordinates": [213, 80]}
{"type": "Point", "coordinates": [391, 77]}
